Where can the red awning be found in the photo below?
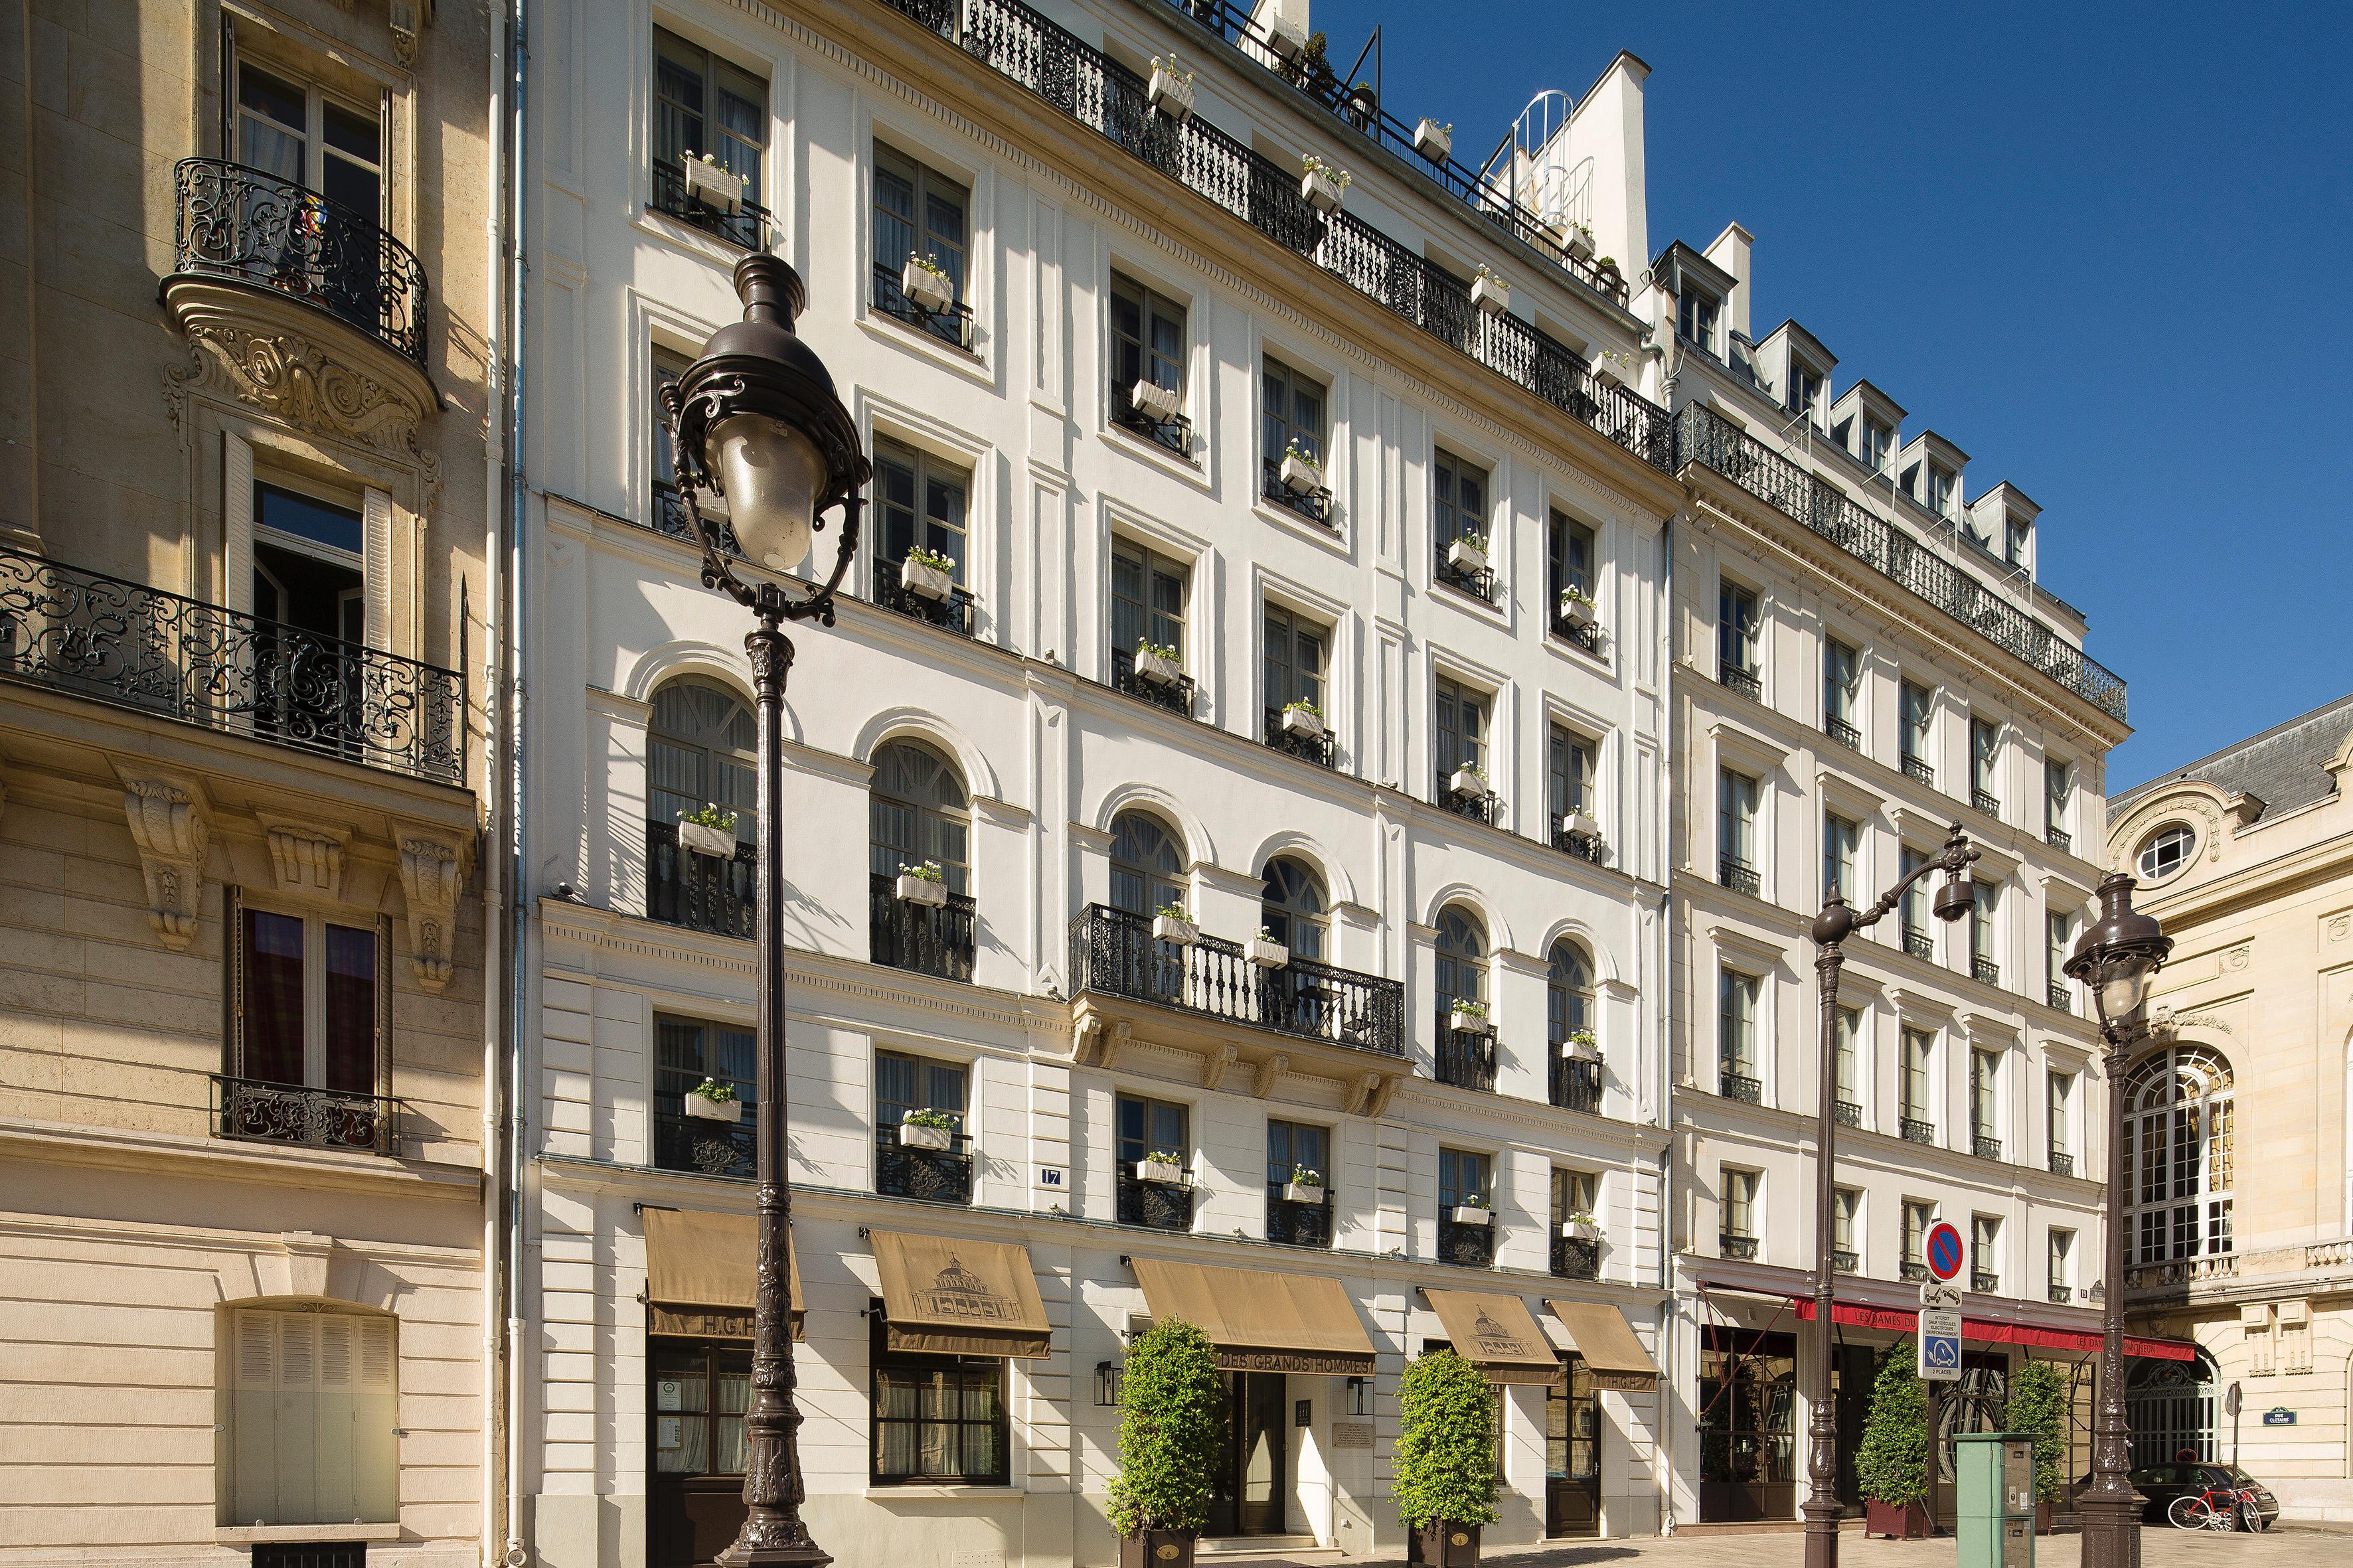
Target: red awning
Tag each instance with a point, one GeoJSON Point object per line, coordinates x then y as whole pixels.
{"type": "Point", "coordinates": [1903, 1319]}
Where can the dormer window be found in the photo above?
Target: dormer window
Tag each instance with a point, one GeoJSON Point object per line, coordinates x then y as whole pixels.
{"type": "Point", "coordinates": [1805, 395]}
{"type": "Point", "coordinates": [2016, 540]}
{"type": "Point", "coordinates": [1696, 316]}
{"type": "Point", "coordinates": [1878, 440]}
{"type": "Point", "coordinates": [1937, 489]}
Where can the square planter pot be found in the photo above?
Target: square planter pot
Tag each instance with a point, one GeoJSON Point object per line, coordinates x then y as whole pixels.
{"type": "Point", "coordinates": [1299, 721]}
{"type": "Point", "coordinates": [1321, 191]}
{"type": "Point", "coordinates": [926, 288]}
{"type": "Point", "coordinates": [714, 187]}
{"type": "Point", "coordinates": [1580, 1230]}
{"type": "Point", "coordinates": [1156, 1548]}
{"type": "Point", "coordinates": [923, 891]}
{"type": "Point", "coordinates": [1284, 36]}
{"type": "Point", "coordinates": [1466, 1023]}
{"type": "Point", "coordinates": [925, 581]}
{"type": "Point", "coordinates": [1607, 373]}
{"type": "Point", "coordinates": [1298, 476]}
{"type": "Point", "coordinates": [1301, 1193]}
{"type": "Point", "coordinates": [1576, 612]}
{"type": "Point", "coordinates": [1580, 1051]}
{"type": "Point", "coordinates": [1578, 243]}
{"type": "Point", "coordinates": [1160, 1173]}
{"type": "Point", "coordinates": [1906, 1522]}
{"type": "Point", "coordinates": [1612, 280]}
{"type": "Point", "coordinates": [1467, 557]}
{"type": "Point", "coordinates": [719, 843]}
{"type": "Point", "coordinates": [1154, 401]}
{"type": "Point", "coordinates": [1433, 141]}
{"type": "Point", "coordinates": [1170, 94]}
{"type": "Point", "coordinates": [1491, 295]}
{"type": "Point", "coordinates": [1269, 954]}
{"type": "Point", "coordinates": [700, 1108]}
{"type": "Point", "coordinates": [1169, 928]}
{"type": "Point", "coordinates": [1580, 824]}
{"type": "Point", "coordinates": [934, 1138]}
{"type": "Point", "coordinates": [1465, 781]}
{"type": "Point", "coordinates": [1151, 667]}
{"type": "Point", "coordinates": [1442, 1543]}
{"type": "Point", "coordinates": [1464, 1213]}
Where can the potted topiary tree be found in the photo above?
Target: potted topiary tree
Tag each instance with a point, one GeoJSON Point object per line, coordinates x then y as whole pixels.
{"type": "Point", "coordinates": [1892, 1465]}
{"type": "Point", "coordinates": [2038, 1407]}
{"type": "Point", "coordinates": [1445, 1485]}
{"type": "Point", "coordinates": [1172, 1416]}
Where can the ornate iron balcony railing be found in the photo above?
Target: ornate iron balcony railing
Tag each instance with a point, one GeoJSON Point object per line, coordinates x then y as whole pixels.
{"type": "Point", "coordinates": [1173, 433]}
{"type": "Point", "coordinates": [1477, 807]}
{"type": "Point", "coordinates": [1584, 846]}
{"type": "Point", "coordinates": [1915, 1130]}
{"type": "Point", "coordinates": [685, 889]}
{"type": "Point", "coordinates": [2062, 1163]}
{"type": "Point", "coordinates": [1847, 1112]}
{"type": "Point", "coordinates": [1466, 1057]}
{"type": "Point", "coordinates": [952, 615]}
{"type": "Point", "coordinates": [1918, 943]}
{"type": "Point", "coordinates": [1986, 1146]}
{"type": "Point", "coordinates": [1746, 682]}
{"type": "Point", "coordinates": [917, 937]}
{"type": "Point", "coordinates": [1586, 635]}
{"type": "Point", "coordinates": [951, 326]}
{"type": "Point", "coordinates": [1984, 1282]}
{"type": "Point", "coordinates": [933, 1175]}
{"type": "Point", "coordinates": [1739, 876]}
{"type": "Point", "coordinates": [1575, 1085]}
{"type": "Point", "coordinates": [1298, 1225]}
{"type": "Point", "coordinates": [1479, 585]}
{"type": "Point", "coordinates": [746, 228]}
{"type": "Point", "coordinates": [1157, 1205]}
{"type": "Point", "coordinates": [253, 1111]}
{"type": "Point", "coordinates": [1741, 1087]}
{"type": "Point", "coordinates": [251, 226]}
{"type": "Point", "coordinates": [1986, 803]}
{"type": "Point", "coordinates": [1917, 768]}
{"type": "Point", "coordinates": [1114, 952]}
{"type": "Point", "coordinates": [684, 1143]}
{"type": "Point", "coordinates": [1314, 505]}
{"type": "Point", "coordinates": [2057, 994]}
{"type": "Point", "coordinates": [1468, 1245]}
{"type": "Point", "coordinates": [1985, 971]}
{"type": "Point", "coordinates": [1316, 748]}
{"type": "Point", "coordinates": [1844, 733]}
{"type": "Point", "coordinates": [1912, 1270]}
{"type": "Point", "coordinates": [1743, 1247]}
{"type": "Point", "coordinates": [1576, 1259]}
{"type": "Point", "coordinates": [1844, 1261]}
{"type": "Point", "coordinates": [2059, 839]}
{"type": "Point", "coordinates": [666, 516]}
{"type": "Point", "coordinates": [118, 642]}
{"type": "Point", "coordinates": [1176, 699]}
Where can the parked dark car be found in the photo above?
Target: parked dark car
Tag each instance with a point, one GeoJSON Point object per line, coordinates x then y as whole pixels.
{"type": "Point", "coordinates": [2160, 1484]}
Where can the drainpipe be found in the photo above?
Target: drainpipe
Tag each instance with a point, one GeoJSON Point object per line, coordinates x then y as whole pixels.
{"type": "Point", "coordinates": [1665, 1012]}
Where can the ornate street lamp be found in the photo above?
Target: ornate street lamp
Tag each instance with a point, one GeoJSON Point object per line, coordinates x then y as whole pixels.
{"type": "Point", "coordinates": [1838, 921]}
{"type": "Point", "coordinates": [2115, 959]}
{"type": "Point", "coordinates": [756, 421]}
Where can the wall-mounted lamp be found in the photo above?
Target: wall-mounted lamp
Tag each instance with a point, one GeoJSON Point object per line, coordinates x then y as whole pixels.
{"type": "Point", "coordinates": [1107, 1376]}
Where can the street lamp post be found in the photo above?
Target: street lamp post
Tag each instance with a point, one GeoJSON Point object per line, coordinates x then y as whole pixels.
{"type": "Point", "coordinates": [1838, 921]}
{"type": "Point", "coordinates": [756, 421]}
{"type": "Point", "coordinates": [2117, 959]}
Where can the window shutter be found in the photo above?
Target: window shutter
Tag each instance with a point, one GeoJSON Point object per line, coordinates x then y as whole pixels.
{"type": "Point", "coordinates": [375, 542]}
{"type": "Point", "coordinates": [236, 520]}
{"type": "Point", "coordinates": [233, 955]}
{"type": "Point", "coordinates": [314, 1402]}
{"type": "Point", "coordinates": [377, 1414]}
{"type": "Point", "coordinates": [253, 1417]}
{"type": "Point", "coordinates": [227, 85]}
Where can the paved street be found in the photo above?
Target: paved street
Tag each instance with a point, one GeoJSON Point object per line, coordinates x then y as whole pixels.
{"type": "Point", "coordinates": [2285, 1547]}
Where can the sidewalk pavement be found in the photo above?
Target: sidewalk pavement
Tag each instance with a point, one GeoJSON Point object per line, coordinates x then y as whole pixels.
{"type": "Point", "coordinates": [2282, 1546]}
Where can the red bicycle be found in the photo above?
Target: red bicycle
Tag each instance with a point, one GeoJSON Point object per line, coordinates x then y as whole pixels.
{"type": "Point", "coordinates": [2216, 1508]}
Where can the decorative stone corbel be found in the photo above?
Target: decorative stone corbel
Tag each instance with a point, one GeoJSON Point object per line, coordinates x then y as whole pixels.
{"type": "Point", "coordinates": [1112, 1041]}
{"type": "Point", "coordinates": [171, 822]}
{"type": "Point", "coordinates": [433, 867]}
{"type": "Point", "coordinates": [1360, 1093]}
{"type": "Point", "coordinates": [1379, 1105]}
{"type": "Point", "coordinates": [1270, 1073]}
{"type": "Point", "coordinates": [1215, 1064]}
{"type": "Point", "coordinates": [308, 860]}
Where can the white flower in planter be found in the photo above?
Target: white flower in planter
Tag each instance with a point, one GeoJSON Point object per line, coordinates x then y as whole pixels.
{"type": "Point", "coordinates": [1613, 367]}
{"type": "Point", "coordinates": [712, 1102]}
{"type": "Point", "coordinates": [1285, 36]}
{"type": "Point", "coordinates": [1170, 90]}
{"type": "Point", "coordinates": [1304, 720]}
{"type": "Point", "coordinates": [1581, 1047]}
{"type": "Point", "coordinates": [1468, 553]}
{"type": "Point", "coordinates": [1433, 141]}
{"type": "Point", "coordinates": [1162, 1165]}
{"type": "Point", "coordinates": [927, 283]}
{"type": "Point", "coordinates": [1580, 825]}
{"type": "Point", "coordinates": [1267, 953]}
{"type": "Point", "coordinates": [1575, 607]}
{"type": "Point", "coordinates": [933, 1130]}
{"type": "Point", "coordinates": [1158, 663]}
{"type": "Point", "coordinates": [1580, 1227]}
{"type": "Point", "coordinates": [708, 181]}
{"type": "Point", "coordinates": [710, 832]}
{"type": "Point", "coordinates": [1473, 1211]}
{"type": "Point", "coordinates": [1490, 292]}
{"type": "Point", "coordinates": [1169, 924]}
{"type": "Point", "coordinates": [1154, 401]}
{"type": "Point", "coordinates": [1465, 1015]}
{"type": "Point", "coordinates": [928, 573]}
{"type": "Point", "coordinates": [1301, 473]}
{"type": "Point", "coordinates": [1305, 1186]}
{"type": "Point", "coordinates": [1470, 780]}
{"type": "Point", "coordinates": [1321, 184]}
{"type": "Point", "coordinates": [923, 885]}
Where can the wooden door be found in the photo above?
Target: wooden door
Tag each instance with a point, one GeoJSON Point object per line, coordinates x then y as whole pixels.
{"type": "Point", "coordinates": [701, 1392]}
{"type": "Point", "coordinates": [1573, 1455]}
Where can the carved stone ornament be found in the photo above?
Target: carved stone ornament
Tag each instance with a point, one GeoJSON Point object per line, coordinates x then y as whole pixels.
{"type": "Point", "coordinates": [307, 860]}
{"type": "Point", "coordinates": [171, 825]}
{"type": "Point", "coordinates": [433, 869]}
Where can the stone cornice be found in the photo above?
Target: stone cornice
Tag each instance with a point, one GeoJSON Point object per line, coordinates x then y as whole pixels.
{"type": "Point", "coordinates": [177, 1156]}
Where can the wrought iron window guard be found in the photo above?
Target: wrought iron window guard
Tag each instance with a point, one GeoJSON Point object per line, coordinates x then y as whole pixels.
{"type": "Point", "coordinates": [1741, 1087]}
{"type": "Point", "coordinates": [1479, 585]}
{"type": "Point", "coordinates": [746, 228]}
{"type": "Point", "coordinates": [695, 890]}
{"type": "Point", "coordinates": [683, 1142]}
{"type": "Point", "coordinates": [1584, 846]}
{"type": "Point", "coordinates": [251, 226]}
{"type": "Point", "coordinates": [118, 642]}
{"type": "Point", "coordinates": [1984, 1282]}
{"type": "Point", "coordinates": [1918, 943]}
{"type": "Point", "coordinates": [1846, 1262]}
{"type": "Point", "coordinates": [666, 516]}
{"type": "Point", "coordinates": [2059, 839]}
{"type": "Point", "coordinates": [916, 937]}
{"type": "Point", "coordinates": [1176, 699]}
{"type": "Point", "coordinates": [1466, 1246]}
{"type": "Point", "coordinates": [1314, 505]}
{"type": "Point", "coordinates": [1466, 1057]}
{"type": "Point", "coordinates": [1844, 733]}
{"type": "Point", "coordinates": [2062, 1163]}
{"type": "Point", "coordinates": [1741, 1247]}
{"type": "Point", "coordinates": [1913, 1270]}
{"type": "Point", "coordinates": [953, 614]}
{"type": "Point", "coordinates": [2057, 995]}
{"type": "Point", "coordinates": [1739, 876]}
{"type": "Point", "coordinates": [1477, 807]}
{"type": "Point", "coordinates": [1316, 748]}
{"type": "Point", "coordinates": [1157, 1206]}
{"type": "Point", "coordinates": [1575, 1085]}
{"type": "Point", "coordinates": [1289, 1224]}
{"type": "Point", "coordinates": [1915, 1130]}
{"type": "Point", "coordinates": [1173, 434]}
{"type": "Point", "coordinates": [1576, 1259]}
{"type": "Point", "coordinates": [1586, 635]}
{"type": "Point", "coordinates": [1986, 803]}
{"type": "Point", "coordinates": [1985, 1146]}
{"type": "Point", "coordinates": [951, 326]}
{"type": "Point", "coordinates": [1746, 682]}
{"type": "Point", "coordinates": [1847, 1112]}
{"type": "Point", "coordinates": [2060, 1294]}
{"type": "Point", "coordinates": [932, 1175]}
{"type": "Point", "coordinates": [1916, 768]}
{"type": "Point", "coordinates": [1113, 952]}
{"type": "Point", "coordinates": [1985, 971]}
{"type": "Point", "coordinates": [250, 1110]}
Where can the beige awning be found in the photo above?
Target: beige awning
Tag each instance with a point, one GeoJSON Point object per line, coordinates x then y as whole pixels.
{"type": "Point", "coordinates": [1260, 1321]}
{"type": "Point", "coordinates": [944, 1297]}
{"type": "Point", "coordinates": [1499, 1333]}
{"type": "Point", "coordinates": [700, 1272]}
{"type": "Point", "coordinates": [1606, 1341]}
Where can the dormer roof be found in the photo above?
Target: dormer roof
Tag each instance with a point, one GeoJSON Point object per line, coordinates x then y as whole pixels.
{"type": "Point", "coordinates": [1680, 261]}
{"type": "Point", "coordinates": [2010, 499]}
{"type": "Point", "coordinates": [1808, 346]}
{"type": "Point", "coordinates": [1870, 400]}
{"type": "Point", "coordinates": [1927, 443]}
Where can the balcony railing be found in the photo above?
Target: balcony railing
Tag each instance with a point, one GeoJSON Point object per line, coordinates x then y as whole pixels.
{"type": "Point", "coordinates": [2061, 1294]}
{"type": "Point", "coordinates": [251, 227]}
{"type": "Point", "coordinates": [1576, 1259]}
{"type": "Point", "coordinates": [1985, 971]}
{"type": "Point", "coordinates": [1482, 808]}
{"type": "Point", "coordinates": [1847, 1112]}
{"type": "Point", "coordinates": [918, 937]}
{"type": "Point", "coordinates": [1175, 697]}
{"type": "Point", "coordinates": [1985, 1146]}
{"type": "Point", "coordinates": [1917, 768]}
{"type": "Point", "coordinates": [667, 518]}
{"type": "Point", "coordinates": [1298, 1225]}
{"type": "Point", "coordinates": [1469, 1245]}
{"type": "Point", "coordinates": [252, 1111]}
{"type": "Point", "coordinates": [1575, 1085]}
{"type": "Point", "coordinates": [1746, 682]}
{"type": "Point", "coordinates": [1314, 505]}
{"type": "Point", "coordinates": [952, 614]}
{"type": "Point", "coordinates": [2058, 994]}
{"type": "Point", "coordinates": [1845, 1262]}
{"type": "Point", "coordinates": [1586, 635]}
{"type": "Point", "coordinates": [1173, 433]}
{"type": "Point", "coordinates": [1316, 748]}
{"type": "Point", "coordinates": [1703, 436]}
{"type": "Point", "coordinates": [1741, 1087]}
{"type": "Point", "coordinates": [1114, 952]}
{"type": "Point", "coordinates": [1915, 1130]}
{"type": "Point", "coordinates": [1918, 943]}
{"type": "Point", "coordinates": [1743, 1247]}
{"type": "Point", "coordinates": [1466, 1057]}
{"type": "Point", "coordinates": [1020, 44]}
{"type": "Point", "coordinates": [1739, 876]}
{"type": "Point", "coordinates": [2059, 839]}
{"type": "Point", "coordinates": [951, 326]}
{"type": "Point", "coordinates": [118, 642]}
{"type": "Point", "coordinates": [1913, 1270]}
{"type": "Point", "coordinates": [746, 228]}
{"type": "Point", "coordinates": [1844, 733]}
{"type": "Point", "coordinates": [1984, 1282]}
{"type": "Point", "coordinates": [1986, 803]}
{"type": "Point", "coordinates": [1479, 584]}
{"type": "Point", "coordinates": [1158, 1205]}
{"type": "Point", "coordinates": [707, 1148]}
{"type": "Point", "coordinates": [933, 1175]}
{"type": "Point", "coordinates": [684, 888]}
{"type": "Point", "coordinates": [1584, 846]}
{"type": "Point", "coordinates": [2062, 1163]}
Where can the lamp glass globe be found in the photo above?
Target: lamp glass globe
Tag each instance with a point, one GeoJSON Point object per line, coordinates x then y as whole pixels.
{"type": "Point", "coordinates": [770, 472]}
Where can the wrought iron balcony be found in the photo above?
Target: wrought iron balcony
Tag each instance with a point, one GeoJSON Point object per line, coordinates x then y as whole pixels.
{"type": "Point", "coordinates": [1984, 1281]}
{"type": "Point", "coordinates": [1316, 748]}
{"type": "Point", "coordinates": [684, 888]}
{"type": "Point", "coordinates": [1986, 802]}
{"type": "Point", "coordinates": [1314, 505]}
{"type": "Point", "coordinates": [1175, 697]}
{"type": "Point", "coordinates": [1466, 1057]}
{"type": "Point", "coordinates": [2059, 839]}
{"type": "Point", "coordinates": [666, 516]}
{"type": "Point", "coordinates": [1845, 1262]}
{"type": "Point", "coordinates": [746, 228]}
{"type": "Point", "coordinates": [917, 937]}
{"type": "Point", "coordinates": [952, 614]}
{"type": "Point", "coordinates": [1479, 585]}
{"type": "Point", "coordinates": [249, 227]}
{"type": "Point", "coordinates": [1918, 943]}
{"type": "Point", "coordinates": [1741, 1087]}
{"type": "Point", "coordinates": [1915, 1130]}
{"type": "Point", "coordinates": [1586, 635]}
{"type": "Point", "coordinates": [1114, 953]}
{"type": "Point", "coordinates": [1584, 846]}
{"type": "Point", "coordinates": [1173, 433]}
{"type": "Point", "coordinates": [1847, 1112]}
{"type": "Point", "coordinates": [1985, 971]}
{"type": "Point", "coordinates": [1157, 1205]}
{"type": "Point", "coordinates": [1844, 733]}
{"type": "Point", "coordinates": [707, 1148]}
{"type": "Point", "coordinates": [2059, 995]}
{"type": "Point", "coordinates": [1575, 1085]}
{"type": "Point", "coordinates": [1913, 1270]}
{"type": "Point", "coordinates": [951, 326]}
{"type": "Point", "coordinates": [1574, 1260]}
{"type": "Point", "coordinates": [1914, 768]}
{"type": "Point", "coordinates": [1743, 1247]}
{"type": "Point", "coordinates": [1298, 1225]}
{"type": "Point", "coordinates": [118, 642]}
{"type": "Point", "coordinates": [253, 1111]}
{"type": "Point", "coordinates": [1985, 1146]}
{"type": "Point", "coordinates": [1468, 1245]}
{"type": "Point", "coordinates": [1739, 876]}
{"type": "Point", "coordinates": [2062, 1163]}
{"type": "Point", "coordinates": [933, 1175]}
{"type": "Point", "coordinates": [1746, 682]}
{"type": "Point", "coordinates": [1477, 807]}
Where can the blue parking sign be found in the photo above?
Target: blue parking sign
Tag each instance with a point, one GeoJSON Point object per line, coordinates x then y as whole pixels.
{"type": "Point", "coordinates": [1940, 1346]}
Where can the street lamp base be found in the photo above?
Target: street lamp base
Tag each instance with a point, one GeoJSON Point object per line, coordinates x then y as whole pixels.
{"type": "Point", "coordinates": [801, 1553]}
{"type": "Point", "coordinates": [2111, 1533]}
{"type": "Point", "coordinates": [1821, 1533]}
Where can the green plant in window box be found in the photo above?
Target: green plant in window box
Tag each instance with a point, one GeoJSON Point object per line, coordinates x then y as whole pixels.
{"type": "Point", "coordinates": [1301, 471]}
{"type": "Point", "coordinates": [1158, 663]}
{"type": "Point", "coordinates": [1469, 781]}
{"type": "Point", "coordinates": [1305, 1186]}
{"type": "Point", "coordinates": [1164, 1166]}
{"type": "Point", "coordinates": [1171, 1434]}
{"type": "Point", "coordinates": [928, 573]}
{"type": "Point", "coordinates": [928, 1129]}
{"type": "Point", "coordinates": [1267, 951]}
{"type": "Point", "coordinates": [708, 830]}
{"type": "Point", "coordinates": [927, 283]}
{"type": "Point", "coordinates": [1171, 924]}
{"type": "Point", "coordinates": [1445, 1467]}
{"type": "Point", "coordinates": [925, 885]}
{"type": "Point", "coordinates": [1304, 719]}
{"type": "Point", "coordinates": [711, 1101]}
{"type": "Point", "coordinates": [1466, 1012]}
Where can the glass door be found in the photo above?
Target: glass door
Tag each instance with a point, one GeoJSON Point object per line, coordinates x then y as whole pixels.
{"type": "Point", "coordinates": [701, 1395]}
{"type": "Point", "coordinates": [1573, 1453]}
{"type": "Point", "coordinates": [1254, 1478]}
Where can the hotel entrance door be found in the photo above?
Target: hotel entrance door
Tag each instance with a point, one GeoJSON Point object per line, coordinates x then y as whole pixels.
{"type": "Point", "coordinates": [1254, 1472]}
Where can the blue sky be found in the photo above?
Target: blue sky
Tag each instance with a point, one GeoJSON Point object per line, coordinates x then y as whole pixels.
{"type": "Point", "coordinates": [2102, 248]}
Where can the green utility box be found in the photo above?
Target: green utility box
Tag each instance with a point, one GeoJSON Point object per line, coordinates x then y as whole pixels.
{"type": "Point", "coordinates": [1993, 1500]}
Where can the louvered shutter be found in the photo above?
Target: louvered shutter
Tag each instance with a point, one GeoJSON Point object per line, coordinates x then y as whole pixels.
{"type": "Point", "coordinates": [233, 949]}
{"type": "Point", "coordinates": [314, 1405]}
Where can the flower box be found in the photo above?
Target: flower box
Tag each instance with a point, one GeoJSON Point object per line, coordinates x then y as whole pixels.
{"type": "Point", "coordinates": [719, 843]}
{"type": "Point", "coordinates": [925, 287]}
{"type": "Point", "coordinates": [1303, 1192]}
{"type": "Point", "coordinates": [713, 185]}
{"type": "Point", "coordinates": [1612, 280]}
{"type": "Point", "coordinates": [1175, 929]}
{"type": "Point", "coordinates": [1466, 1023]}
{"type": "Point", "coordinates": [1585, 1050]}
{"type": "Point", "coordinates": [1303, 723]}
{"type": "Point", "coordinates": [1608, 371]}
{"type": "Point", "coordinates": [1154, 401]}
{"type": "Point", "coordinates": [1576, 612]}
{"type": "Point", "coordinates": [1269, 954]}
{"type": "Point", "coordinates": [1320, 191]}
{"type": "Point", "coordinates": [1581, 825]}
{"type": "Point", "coordinates": [1171, 91]}
{"type": "Point", "coordinates": [1157, 669]}
{"type": "Point", "coordinates": [1285, 37]}
{"type": "Point", "coordinates": [1166, 1173]}
{"type": "Point", "coordinates": [1433, 141]}
{"type": "Point", "coordinates": [1469, 782]}
{"type": "Point", "coordinates": [1491, 294]}
{"type": "Point", "coordinates": [925, 581]}
{"type": "Point", "coordinates": [1471, 1214]}
{"type": "Point", "coordinates": [1578, 240]}
{"type": "Point", "coordinates": [1580, 1230]}
{"type": "Point", "coordinates": [923, 891]}
{"type": "Point", "coordinates": [1465, 556]}
{"type": "Point", "coordinates": [937, 1139]}
{"type": "Point", "coordinates": [1300, 475]}
{"type": "Point", "coordinates": [703, 1108]}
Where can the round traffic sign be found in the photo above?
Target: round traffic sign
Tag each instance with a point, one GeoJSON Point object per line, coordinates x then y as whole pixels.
{"type": "Point", "coordinates": [1944, 1249]}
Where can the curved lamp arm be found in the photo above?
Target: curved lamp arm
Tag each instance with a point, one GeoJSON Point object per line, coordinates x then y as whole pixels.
{"type": "Point", "coordinates": [1840, 920]}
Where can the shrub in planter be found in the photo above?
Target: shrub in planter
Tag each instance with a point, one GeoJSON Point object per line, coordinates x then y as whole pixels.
{"type": "Point", "coordinates": [707, 831]}
{"type": "Point", "coordinates": [1304, 720]}
{"type": "Point", "coordinates": [1433, 141]}
{"type": "Point", "coordinates": [2038, 1407]}
{"type": "Point", "coordinates": [1578, 241]}
{"type": "Point", "coordinates": [933, 1130]}
{"type": "Point", "coordinates": [1158, 663]}
{"type": "Point", "coordinates": [1490, 293]}
{"type": "Point", "coordinates": [711, 1100]}
{"type": "Point", "coordinates": [928, 573]}
{"type": "Point", "coordinates": [1445, 1465]}
{"type": "Point", "coordinates": [1891, 1465]}
{"type": "Point", "coordinates": [1463, 1013]}
{"type": "Point", "coordinates": [1164, 1166]}
{"type": "Point", "coordinates": [1169, 923]}
{"type": "Point", "coordinates": [1172, 1420]}
{"type": "Point", "coordinates": [922, 884]}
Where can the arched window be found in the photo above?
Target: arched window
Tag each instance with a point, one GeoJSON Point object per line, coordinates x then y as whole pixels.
{"type": "Point", "coordinates": [703, 750]}
{"type": "Point", "coordinates": [1461, 957]}
{"type": "Point", "coordinates": [2177, 1155]}
{"type": "Point", "coordinates": [1291, 906]}
{"type": "Point", "coordinates": [1569, 991]}
{"type": "Point", "coordinates": [916, 811]}
{"type": "Point", "coordinates": [1147, 864]}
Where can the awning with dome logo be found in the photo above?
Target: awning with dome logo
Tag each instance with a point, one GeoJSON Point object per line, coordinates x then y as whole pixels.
{"type": "Point", "coordinates": [1259, 1321]}
{"type": "Point", "coordinates": [959, 1297]}
{"type": "Point", "coordinates": [1498, 1333]}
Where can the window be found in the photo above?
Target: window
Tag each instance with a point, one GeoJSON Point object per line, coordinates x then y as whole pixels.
{"type": "Point", "coordinates": [1740, 1203]}
{"type": "Point", "coordinates": [1878, 440]}
{"type": "Point", "coordinates": [1736, 823]}
{"type": "Point", "coordinates": [1917, 1217]}
{"type": "Point", "coordinates": [1916, 709]}
{"type": "Point", "coordinates": [919, 211]}
{"type": "Point", "coordinates": [1936, 491]}
{"type": "Point", "coordinates": [1984, 766]}
{"type": "Point", "coordinates": [1914, 912]}
{"type": "Point", "coordinates": [702, 749]}
{"type": "Point", "coordinates": [1147, 864]}
{"type": "Point", "coordinates": [2060, 1090]}
{"type": "Point", "coordinates": [919, 501]}
{"type": "Point", "coordinates": [1985, 1253]}
{"type": "Point", "coordinates": [1459, 504]}
{"type": "Point", "coordinates": [1841, 839]}
{"type": "Point", "coordinates": [1573, 1192]}
{"type": "Point", "coordinates": [916, 812]}
{"type": "Point", "coordinates": [308, 572]}
{"type": "Point", "coordinates": [2060, 944]}
{"type": "Point", "coordinates": [1461, 727]}
{"type": "Point", "coordinates": [2016, 538]}
{"type": "Point", "coordinates": [686, 1052]}
{"type": "Point", "coordinates": [1846, 1229]}
{"type": "Point", "coordinates": [1569, 556]}
{"type": "Point", "coordinates": [701, 1396]}
{"type": "Point", "coordinates": [308, 1010]}
{"type": "Point", "coordinates": [1805, 395]}
{"type": "Point", "coordinates": [1293, 410]}
{"type": "Point", "coordinates": [1295, 652]}
{"type": "Point", "coordinates": [2180, 1154]}
{"type": "Point", "coordinates": [670, 517]}
{"type": "Point", "coordinates": [1568, 993]}
{"type": "Point", "coordinates": [1461, 948]}
{"type": "Point", "coordinates": [1735, 1028]}
{"type": "Point", "coordinates": [2165, 852]}
{"type": "Point", "coordinates": [1916, 1084]}
{"type": "Point", "coordinates": [314, 1402]}
{"type": "Point", "coordinates": [903, 1083]}
{"type": "Point", "coordinates": [938, 1418]}
{"type": "Point", "coordinates": [1696, 315]}
{"type": "Point", "coordinates": [1985, 1096]}
{"type": "Point", "coordinates": [1148, 592]}
{"type": "Point", "coordinates": [1147, 344]}
{"type": "Point", "coordinates": [705, 106]}
{"type": "Point", "coordinates": [1984, 952]}
{"type": "Point", "coordinates": [1298, 1146]}
{"type": "Point", "coordinates": [1154, 1126]}
{"type": "Point", "coordinates": [1842, 685]}
{"type": "Point", "coordinates": [1847, 1045]}
{"type": "Point", "coordinates": [295, 131]}
{"type": "Point", "coordinates": [1571, 772]}
{"type": "Point", "coordinates": [2063, 1263]}
{"type": "Point", "coordinates": [1737, 623]}
{"type": "Point", "coordinates": [1463, 1179]}
{"type": "Point", "coordinates": [1292, 906]}
{"type": "Point", "coordinates": [2058, 786]}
